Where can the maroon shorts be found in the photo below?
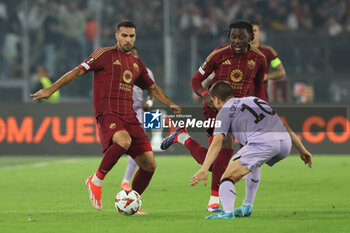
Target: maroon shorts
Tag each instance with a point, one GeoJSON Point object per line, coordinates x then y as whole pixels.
{"type": "Point", "coordinates": [109, 124]}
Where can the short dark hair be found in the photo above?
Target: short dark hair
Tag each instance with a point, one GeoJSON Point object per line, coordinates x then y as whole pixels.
{"type": "Point", "coordinates": [254, 22]}
{"type": "Point", "coordinates": [243, 24]}
{"type": "Point", "coordinates": [221, 89]}
{"type": "Point", "coordinates": [127, 24]}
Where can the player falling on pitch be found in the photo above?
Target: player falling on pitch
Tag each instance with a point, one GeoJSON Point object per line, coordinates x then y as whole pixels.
{"type": "Point", "coordinates": [256, 126]}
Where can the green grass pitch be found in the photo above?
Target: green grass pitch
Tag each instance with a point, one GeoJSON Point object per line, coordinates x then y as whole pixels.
{"type": "Point", "coordinates": [48, 194]}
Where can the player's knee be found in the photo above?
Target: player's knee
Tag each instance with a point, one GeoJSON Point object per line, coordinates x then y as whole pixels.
{"type": "Point", "coordinates": [123, 139]}
{"type": "Point", "coordinates": [125, 143]}
{"type": "Point", "coordinates": [233, 178]}
{"type": "Point", "coordinates": [150, 166]}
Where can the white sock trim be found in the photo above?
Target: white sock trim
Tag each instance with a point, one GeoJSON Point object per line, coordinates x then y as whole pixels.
{"type": "Point", "coordinates": [214, 200]}
{"type": "Point", "coordinates": [182, 137]}
{"type": "Point", "coordinates": [96, 181]}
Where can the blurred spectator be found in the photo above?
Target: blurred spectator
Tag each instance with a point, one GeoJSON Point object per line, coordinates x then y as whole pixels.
{"type": "Point", "coordinates": [190, 19]}
{"type": "Point", "coordinates": [61, 32]}
{"type": "Point", "coordinates": [3, 23]}
{"type": "Point", "coordinates": [53, 32]}
{"type": "Point", "coordinates": [11, 47]}
{"type": "Point", "coordinates": [73, 20]}
{"type": "Point", "coordinates": [43, 81]}
{"type": "Point", "coordinates": [228, 11]}
{"type": "Point", "coordinates": [334, 28]}
{"type": "Point", "coordinates": [303, 93]}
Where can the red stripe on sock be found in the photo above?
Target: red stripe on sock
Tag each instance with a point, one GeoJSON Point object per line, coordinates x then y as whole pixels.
{"type": "Point", "coordinates": [214, 193]}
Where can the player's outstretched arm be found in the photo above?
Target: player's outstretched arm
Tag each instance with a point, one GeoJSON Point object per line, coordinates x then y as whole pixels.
{"type": "Point", "coordinates": [305, 155]}
{"type": "Point", "coordinates": [212, 153]}
{"type": "Point", "coordinates": [160, 95]}
{"type": "Point", "coordinates": [278, 74]}
{"type": "Point", "coordinates": [64, 80]}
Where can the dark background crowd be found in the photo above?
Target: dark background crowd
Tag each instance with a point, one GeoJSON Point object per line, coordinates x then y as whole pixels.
{"type": "Point", "coordinates": [311, 36]}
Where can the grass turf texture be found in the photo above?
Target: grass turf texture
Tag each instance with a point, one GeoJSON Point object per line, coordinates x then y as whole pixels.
{"type": "Point", "coordinates": [48, 194]}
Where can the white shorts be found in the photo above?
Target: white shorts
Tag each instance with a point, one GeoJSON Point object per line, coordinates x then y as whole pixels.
{"type": "Point", "coordinates": [139, 114]}
{"type": "Point", "coordinates": [253, 155]}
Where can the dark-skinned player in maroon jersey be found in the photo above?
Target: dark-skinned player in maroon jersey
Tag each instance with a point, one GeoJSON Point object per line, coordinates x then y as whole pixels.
{"type": "Point", "coordinates": [116, 70]}
{"type": "Point", "coordinates": [253, 179]}
{"type": "Point", "coordinates": [239, 64]}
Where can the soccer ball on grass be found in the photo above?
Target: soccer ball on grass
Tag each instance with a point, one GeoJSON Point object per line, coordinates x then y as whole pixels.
{"type": "Point", "coordinates": [128, 202]}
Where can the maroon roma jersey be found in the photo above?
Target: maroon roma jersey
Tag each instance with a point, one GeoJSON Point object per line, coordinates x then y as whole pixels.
{"type": "Point", "coordinates": [115, 74]}
{"type": "Point", "coordinates": [271, 60]}
{"type": "Point", "coordinates": [244, 72]}
{"type": "Point", "coordinates": [269, 53]}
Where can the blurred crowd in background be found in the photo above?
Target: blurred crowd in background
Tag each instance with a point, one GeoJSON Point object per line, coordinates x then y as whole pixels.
{"type": "Point", "coordinates": [62, 33]}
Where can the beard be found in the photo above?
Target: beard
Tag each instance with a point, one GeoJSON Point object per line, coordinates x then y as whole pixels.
{"type": "Point", "coordinates": [125, 49]}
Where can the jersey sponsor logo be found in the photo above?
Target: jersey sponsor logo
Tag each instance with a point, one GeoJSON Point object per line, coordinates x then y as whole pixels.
{"type": "Point", "coordinates": [125, 87]}
{"type": "Point", "coordinates": [117, 62]}
{"type": "Point", "coordinates": [152, 120]}
{"type": "Point", "coordinates": [251, 64]}
{"type": "Point", "coordinates": [112, 126]}
{"type": "Point", "coordinates": [236, 75]}
{"type": "Point", "coordinates": [227, 62]}
{"type": "Point", "coordinates": [136, 67]}
{"type": "Point", "coordinates": [127, 76]}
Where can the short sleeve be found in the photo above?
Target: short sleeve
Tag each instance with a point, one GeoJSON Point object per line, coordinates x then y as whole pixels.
{"type": "Point", "coordinates": [150, 74]}
{"type": "Point", "coordinates": [208, 65]}
{"type": "Point", "coordinates": [223, 121]}
{"type": "Point", "coordinates": [273, 58]}
{"type": "Point", "coordinates": [143, 80]}
{"type": "Point", "coordinates": [93, 62]}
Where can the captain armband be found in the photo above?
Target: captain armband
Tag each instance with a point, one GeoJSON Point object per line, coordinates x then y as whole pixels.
{"type": "Point", "coordinates": [275, 62]}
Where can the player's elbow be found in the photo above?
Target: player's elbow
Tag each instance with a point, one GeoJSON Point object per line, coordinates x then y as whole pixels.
{"type": "Point", "coordinates": [283, 73]}
{"type": "Point", "coordinates": [196, 82]}
{"type": "Point", "coordinates": [152, 89]}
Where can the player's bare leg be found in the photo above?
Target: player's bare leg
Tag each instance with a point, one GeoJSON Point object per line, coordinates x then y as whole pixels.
{"type": "Point", "coordinates": [121, 143]}
{"type": "Point", "coordinates": [147, 166]}
{"type": "Point", "coordinates": [234, 172]}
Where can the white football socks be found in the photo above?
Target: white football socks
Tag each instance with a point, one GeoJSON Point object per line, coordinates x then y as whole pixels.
{"type": "Point", "coordinates": [182, 137]}
{"type": "Point", "coordinates": [130, 170]}
{"type": "Point", "coordinates": [251, 186]}
{"type": "Point", "coordinates": [96, 181]}
{"type": "Point", "coordinates": [214, 200]}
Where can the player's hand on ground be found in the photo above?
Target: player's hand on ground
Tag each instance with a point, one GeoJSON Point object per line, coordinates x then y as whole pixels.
{"type": "Point", "coordinates": [176, 109]}
{"type": "Point", "coordinates": [41, 94]}
{"type": "Point", "coordinates": [306, 156]}
{"type": "Point", "coordinates": [199, 176]}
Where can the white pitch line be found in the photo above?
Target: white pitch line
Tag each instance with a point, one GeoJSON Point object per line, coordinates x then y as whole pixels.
{"type": "Point", "coordinates": [150, 211]}
{"type": "Point", "coordinates": [73, 211]}
{"type": "Point", "coordinates": [39, 164]}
